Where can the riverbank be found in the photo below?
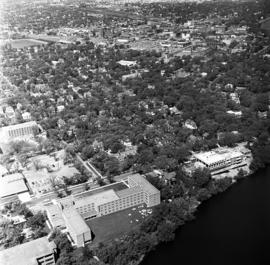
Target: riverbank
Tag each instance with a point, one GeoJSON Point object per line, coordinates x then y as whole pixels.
{"type": "Point", "coordinates": [234, 174]}
{"type": "Point", "coordinates": [180, 201]}
{"type": "Point", "coordinates": [221, 231]}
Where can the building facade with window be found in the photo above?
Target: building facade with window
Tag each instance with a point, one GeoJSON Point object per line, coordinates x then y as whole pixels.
{"type": "Point", "coordinates": [220, 158]}
{"type": "Point", "coordinates": [72, 211]}
{"type": "Point", "coordinates": [22, 130]}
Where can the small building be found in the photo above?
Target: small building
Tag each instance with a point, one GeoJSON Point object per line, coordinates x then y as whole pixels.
{"type": "Point", "coordinates": [237, 114]}
{"type": "Point", "coordinates": [10, 113]}
{"type": "Point", "coordinates": [127, 63]}
{"type": "Point", "coordinates": [130, 76]}
{"type": "Point", "coordinates": [36, 252]}
{"type": "Point", "coordinates": [190, 124]}
{"type": "Point", "coordinates": [60, 108]}
{"type": "Point", "coordinates": [234, 97]}
{"type": "Point", "coordinates": [26, 116]}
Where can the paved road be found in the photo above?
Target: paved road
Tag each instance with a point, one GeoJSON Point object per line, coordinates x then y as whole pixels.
{"type": "Point", "coordinates": [89, 167]}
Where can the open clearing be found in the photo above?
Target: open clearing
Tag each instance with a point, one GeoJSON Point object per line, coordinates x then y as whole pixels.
{"type": "Point", "coordinates": [116, 225]}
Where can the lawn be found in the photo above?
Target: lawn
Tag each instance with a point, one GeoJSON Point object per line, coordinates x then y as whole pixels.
{"type": "Point", "coordinates": [116, 225]}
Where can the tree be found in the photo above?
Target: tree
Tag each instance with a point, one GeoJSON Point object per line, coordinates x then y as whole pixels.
{"type": "Point", "coordinates": [228, 139]}
{"type": "Point", "coordinates": [112, 166]}
{"type": "Point", "coordinates": [223, 184]}
{"type": "Point", "coordinates": [88, 152]}
{"type": "Point", "coordinates": [203, 194]}
{"type": "Point", "coordinates": [165, 232]}
{"type": "Point", "coordinates": [241, 174]}
{"type": "Point", "coordinates": [37, 221]}
{"type": "Point", "coordinates": [116, 147]}
{"type": "Point", "coordinates": [201, 177]}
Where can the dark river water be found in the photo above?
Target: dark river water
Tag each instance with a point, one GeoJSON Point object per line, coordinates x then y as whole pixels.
{"type": "Point", "coordinates": [232, 228]}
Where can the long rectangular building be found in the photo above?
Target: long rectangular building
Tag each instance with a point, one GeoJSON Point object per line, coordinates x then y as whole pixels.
{"type": "Point", "coordinates": [99, 202]}
{"type": "Point", "coordinates": [26, 129]}
{"type": "Point", "coordinates": [219, 158]}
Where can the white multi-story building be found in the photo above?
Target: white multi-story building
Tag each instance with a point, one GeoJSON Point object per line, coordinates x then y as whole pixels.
{"type": "Point", "coordinates": [219, 158]}
{"type": "Point", "coordinates": [22, 130]}
{"type": "Point", "coordinates": [78, 230]}
{"type": "Point", "coordinates": [102, 201]}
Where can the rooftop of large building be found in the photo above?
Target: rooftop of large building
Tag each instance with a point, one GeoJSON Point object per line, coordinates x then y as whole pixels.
{"type": "Point", "coordinates": [147, 186]}
{"type": "Point", "coordinates": [99, 198]}
{"type": "Point", "coordinates": [55, 217]}
{"type": "Point", "coordinates": [27, 253]}
{"type": "Point", "coordinates": [18, 126]}
{"type": "Point", "coordinates": [128, 192]}
{"type": "Point", "coordinates": [115, 186]}
{"type": "Point", "coordinates": [12, 184]}
{"type": "Point", "coordinates": [75, 221]}
{"type": "Point", "coordinates": [218, 155]}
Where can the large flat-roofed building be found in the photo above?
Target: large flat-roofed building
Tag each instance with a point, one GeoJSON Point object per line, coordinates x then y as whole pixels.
{"type": "Point", "coordinates": [36, 252]}
{"type": "Point", "coordinates": [76, 226]}
{"type": "Point", "coordinates": [12, 185]}
{"type": "Point", "coordinates": [151, 194]}
{"type": "Point", "coordinates": [98, 202]}
{"type": "Point", "coordinates": [26, 129]}
{"type": "Point", "coordinates": [137, 191]}
{"type": "Point", "coordinates": [219, 158]}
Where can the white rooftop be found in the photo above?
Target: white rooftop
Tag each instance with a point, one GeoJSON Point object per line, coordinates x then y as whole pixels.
{"type": "Point", "coordinates": [12, 184]}
{"type": "Point", "coordinates": [98, 199]}
{"type": "Point", "coordinates": [7, 189]}
{"type": "Point", "coordinates": [127, 63]}
{"type": "Point", "coordinates": [74, 219]}
{"type": "Point", "coordinates": [144, 184]}
{"type": "Point", "coordinates": [215, 156]}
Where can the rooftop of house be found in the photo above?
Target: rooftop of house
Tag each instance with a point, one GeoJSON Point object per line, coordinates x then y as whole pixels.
{"type": "Point", "coordinates": [27, 253]}
{"type": "Point", "coordinates": [127, 63]}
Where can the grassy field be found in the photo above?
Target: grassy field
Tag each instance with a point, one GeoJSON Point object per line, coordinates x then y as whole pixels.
{"type": "Point", "coordinates": [116, 225]}
{"type": "Point", "coordinates": [22, 43]}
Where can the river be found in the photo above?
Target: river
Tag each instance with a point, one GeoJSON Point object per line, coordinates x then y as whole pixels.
{"type": "Point", "coordinates": [232, 228]}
